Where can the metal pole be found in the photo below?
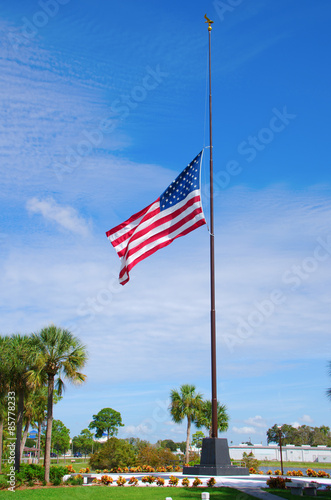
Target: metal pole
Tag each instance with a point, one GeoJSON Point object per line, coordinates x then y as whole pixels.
{"type": "Point", "coordinates": [212, 259]}
{"type": "Point", "coordinates": [280, 450]}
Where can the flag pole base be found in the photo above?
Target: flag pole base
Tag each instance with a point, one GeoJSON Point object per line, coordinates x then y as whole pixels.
{"type": "Point", "coordinates": [215, 460]}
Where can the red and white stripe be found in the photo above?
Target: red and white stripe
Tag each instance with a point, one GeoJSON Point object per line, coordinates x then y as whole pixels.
{"type": "Point", "coordinates": [150, 229]}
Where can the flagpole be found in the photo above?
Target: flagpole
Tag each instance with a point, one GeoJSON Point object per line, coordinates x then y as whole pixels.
{"type": "Point", "coordinates": [212, 258]}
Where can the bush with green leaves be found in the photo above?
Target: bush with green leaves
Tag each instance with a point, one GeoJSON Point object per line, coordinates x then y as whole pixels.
{"type": "Point", "coordinates": [32, 472]}
{"type": "Point", "coordinates": [277, 482]}
{"type": "Point", "coordinates": [75, 480]}
{"type": "Point", "coordinates": [250, 461]}
{"type": "Point", "coordinates": [113, 453]}
{"type": "Point", "coordinates": [156, 457]}
{"type": "Point", "coordinates": [56, 474]}
{"type": "Point", "coordinates": [3, 482]}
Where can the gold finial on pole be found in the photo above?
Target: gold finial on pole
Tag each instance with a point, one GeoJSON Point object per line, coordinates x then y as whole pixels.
{"type": "Point", "coordinates": [209, 22]}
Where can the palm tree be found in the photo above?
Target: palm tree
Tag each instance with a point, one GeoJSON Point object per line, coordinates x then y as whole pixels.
{"type": "Point", "coordinates": [204, 417]}
{"type": "Point", "coordinates": [4, 385]}
{"type": "Point", "coordinates": [20, 355]}
{"type": "Point", "coordinates": [60, 354]}
{"type": "Point", "coordinates": [185, 403]}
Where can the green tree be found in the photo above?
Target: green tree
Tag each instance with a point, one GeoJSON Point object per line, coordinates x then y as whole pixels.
{"type": "Point", "coordinates": [60, 354]}
{"type": "Point", "coordinates": [4, 388]}
{"type": "Point", "coordinates": [107, 420]}
{"type": "Point", "coordinates": [197, 439]}
{"type": "Point", "coordinates": [18, 355]}
{"type": "Point", "coordinates": [290, 435]}
{"type": "Point", "coordinates": [156, 456]}
{"type": "Point", "coordinates": [168, 443]}
{"type": "Point", "coordinates": [113, 453]}
{"type": "Point", "coordinates": [60, 437]}
{"type": "Point", "coordinates": [204, 417]}
{"type": "Point", "coordinates": [84, 442]}
{"type": "Point", "coordinates": [185, 403]}
{"type": "Point", "coordinates": [137, 443]}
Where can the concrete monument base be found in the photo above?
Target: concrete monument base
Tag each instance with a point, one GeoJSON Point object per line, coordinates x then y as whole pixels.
{"type": "Point", "coordinates": [215, 460]}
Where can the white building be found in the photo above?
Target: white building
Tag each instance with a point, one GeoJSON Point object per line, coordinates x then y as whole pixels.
{"type": "Point", "coordinates": [290, 453]}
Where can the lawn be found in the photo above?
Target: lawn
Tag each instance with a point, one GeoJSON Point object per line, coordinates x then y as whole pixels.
{"type": "Point", "coordinates": [273, 464]}
{"type": "Point", "coordinates": [323, 495]}
{"type": "Point", "coordinates": [125, 493]}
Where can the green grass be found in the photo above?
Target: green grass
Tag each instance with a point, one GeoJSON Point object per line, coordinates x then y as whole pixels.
{"type": "Point", "coordinates": [79, 464]}
{"type": "Point", "coordinates": [323, 495]}
{"type": "Point", "coordinates": [127, 493]}
{"type": "Point", "coordinates": [273, 464]}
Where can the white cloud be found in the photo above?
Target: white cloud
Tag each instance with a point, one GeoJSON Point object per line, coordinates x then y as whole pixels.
{"type": "Point", "coordinates": [67, 217]}
{"type": "Point", "coordinates": [306, 419]}
{"type": "Point", "coordinates": [257, 421]}
{"type": "Point", "coordinates": [244, 430]}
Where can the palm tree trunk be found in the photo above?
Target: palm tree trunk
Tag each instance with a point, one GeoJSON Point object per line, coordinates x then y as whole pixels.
{"type": "Point", "coordinates": [25, 435]}
{"type": "Point", "coordinates": [39, 441]}
{"type": "Point", "coordinates": [19, 426]}
{"type": "Point", "coordinates": [187, 454]}
{"type": "Point", "coordinates": [47, 459]}
{"type": "Point", "coordinates": [1, 442]}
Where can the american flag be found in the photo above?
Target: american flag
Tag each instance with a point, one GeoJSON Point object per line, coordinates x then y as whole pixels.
{"type": "Point", "coordinates": [177, 212]}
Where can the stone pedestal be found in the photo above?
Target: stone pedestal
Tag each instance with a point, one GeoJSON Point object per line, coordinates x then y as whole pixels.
{"type": "Point", "coordinates": [215, 460]}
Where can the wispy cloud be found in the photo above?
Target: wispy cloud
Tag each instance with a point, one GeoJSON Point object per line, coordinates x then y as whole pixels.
{"type": "Point", "coordinates": [257, 421]}
{"type": "Point", "coordinates": [244, 430]}
{"type": "Point", "coordinates": [66, 217]}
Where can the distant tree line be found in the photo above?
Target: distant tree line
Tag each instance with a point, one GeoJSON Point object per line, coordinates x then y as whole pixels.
{"type": "Point", "coordinates": [304, 434]}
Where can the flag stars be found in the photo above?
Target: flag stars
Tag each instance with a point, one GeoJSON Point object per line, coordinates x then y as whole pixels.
{"type": "Point", "coordinates": [182, 186]}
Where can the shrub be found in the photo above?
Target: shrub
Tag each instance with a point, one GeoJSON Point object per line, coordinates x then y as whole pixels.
{"type": "Point", "coordinates": [276, 482]}
{"type": "Point", "coordinates": [311, 473]}
{"type": "Point", "coordinates": [76, 480]}
{"type": "Point", "coordinates": [113, 453]}
{"type": "Point", "coordinates": [121, 481]}
{"type": "Point", "coordinates": [252, 470]}
{"type": "Point", "coordinates": [211, 482]}
{"type": "Point", "coordinates": [196, 482]}
{"type": "Point", "coordinates": [269, 472]}
{"type": "Point", "coordinates": [185, 481]}
{"type": "Point", "coordinates": [56, 474]}
{"type": "Point", "coordinates": [106, 480]}
{"type": "Point", "coordinates": [177, 468]}
{"type": "Point", "coordinates": [133, 481]}
{"type": "Point", "coordinates": [160, 481]}
{"type": "Point", "coordinates": [30, 472]}
{"type": "Point", "coordinates": [70, 469]}
{"type": "Point", "coordinates": [278, 472]}
{"type": "Point", "coordinates": [173, 481]}
{"type": "Point", "coordinates": [322, 473]}
{"type": "Point", "coordinates": [3, 482]}
{"type": "Point", "coordinates": [250, 461]}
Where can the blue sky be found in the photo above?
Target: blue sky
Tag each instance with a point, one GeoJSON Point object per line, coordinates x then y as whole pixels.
{"type": "Point", "coordinates": [103, 104]}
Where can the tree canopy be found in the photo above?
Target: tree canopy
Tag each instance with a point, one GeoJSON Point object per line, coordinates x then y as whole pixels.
{"type": "Point", "coordinates": [298, 436]}
{"type": "Point", "coordinates": [114, 453]}
{"type": "Point", "coordinates": [107, 420]}
{"type": "Point", "coordinates": [204, 417]}
{"type": "Point", "coordinates": [185, 403]}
